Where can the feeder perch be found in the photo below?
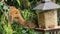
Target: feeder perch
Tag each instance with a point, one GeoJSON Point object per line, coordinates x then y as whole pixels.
{"type": "Point", "coordinates": [47, 16]}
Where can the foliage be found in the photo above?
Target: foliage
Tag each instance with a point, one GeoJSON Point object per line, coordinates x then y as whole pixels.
{"type": "Point", "coordinates": [25, 6]}
{"type": "Point", "coordinates": [6, 27]}
{"type": "Point", "coordinates": [58, 1]}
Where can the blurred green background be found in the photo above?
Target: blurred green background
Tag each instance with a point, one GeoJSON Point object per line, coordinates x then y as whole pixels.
{"type": "Point", "coordinates": [25, 6]}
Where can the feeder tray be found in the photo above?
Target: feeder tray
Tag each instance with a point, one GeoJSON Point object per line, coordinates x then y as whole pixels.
{"type": "Point", "coordinates": [50, 30]}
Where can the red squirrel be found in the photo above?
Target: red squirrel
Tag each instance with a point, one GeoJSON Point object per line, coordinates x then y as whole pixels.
{"type": "Point", "coordinates": [16, 14]}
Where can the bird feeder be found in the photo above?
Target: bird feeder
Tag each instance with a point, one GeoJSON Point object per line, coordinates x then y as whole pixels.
{"type": "Point", "coordinates": [47, 16]}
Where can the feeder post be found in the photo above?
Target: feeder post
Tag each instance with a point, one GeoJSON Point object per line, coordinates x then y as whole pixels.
{"type": "Point", "coordinates": [53, 1]}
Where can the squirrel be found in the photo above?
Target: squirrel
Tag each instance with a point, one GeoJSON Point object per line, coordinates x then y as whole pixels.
{"type": "Point", "coordinates": [16, 14]}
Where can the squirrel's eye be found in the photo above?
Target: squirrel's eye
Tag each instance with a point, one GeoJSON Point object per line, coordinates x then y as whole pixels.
{"type": "Point", "coordinates": [16, 13]}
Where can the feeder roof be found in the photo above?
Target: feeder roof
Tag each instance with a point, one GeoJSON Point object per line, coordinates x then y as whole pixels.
{"type": "Point", "coordinates": [46, 0]}
{"type": "Point", "coordinates": [48, 5]}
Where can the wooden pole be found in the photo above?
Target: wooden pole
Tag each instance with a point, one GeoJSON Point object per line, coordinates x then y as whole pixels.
{"type": "Point", "coordinates": [53, 1]}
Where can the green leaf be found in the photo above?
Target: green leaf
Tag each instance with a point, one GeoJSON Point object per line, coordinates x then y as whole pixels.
{"type": "Point", "coordinates": [18, 2]}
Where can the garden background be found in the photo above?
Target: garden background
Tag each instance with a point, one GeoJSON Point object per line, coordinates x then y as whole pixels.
{"type": "Point", "coordinates": [25, 7]}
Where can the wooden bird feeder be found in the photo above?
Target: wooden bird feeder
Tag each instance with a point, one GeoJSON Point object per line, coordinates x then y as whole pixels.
{"type": "Point", "coordinates": [47, 16]}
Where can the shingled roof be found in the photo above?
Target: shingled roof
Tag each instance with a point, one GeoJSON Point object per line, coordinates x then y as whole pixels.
{"type": "Point", "coordinates": [47, 5]}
